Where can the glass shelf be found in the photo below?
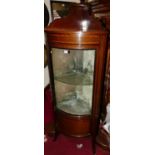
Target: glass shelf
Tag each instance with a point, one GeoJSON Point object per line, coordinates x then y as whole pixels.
{"type": "Point", "coordinates": [73, 104]}
{"type": "Point", "coordinates": [75, 78]}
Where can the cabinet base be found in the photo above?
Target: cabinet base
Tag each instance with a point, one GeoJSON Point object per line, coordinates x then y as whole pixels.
{"type": "Point", "coordinates": [73, 125]}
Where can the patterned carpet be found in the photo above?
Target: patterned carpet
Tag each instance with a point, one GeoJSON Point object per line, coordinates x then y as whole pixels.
{"type": "Point", "coordinates": [69, 146]}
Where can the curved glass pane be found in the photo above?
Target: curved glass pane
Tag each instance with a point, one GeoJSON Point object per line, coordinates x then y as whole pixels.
{"type": "Point", "coordinates": [73, 79]}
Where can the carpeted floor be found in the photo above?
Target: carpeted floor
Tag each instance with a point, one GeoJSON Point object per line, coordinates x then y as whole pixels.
{"type": "Point", "coordinates": [68, 146]}
{"type": "Point", "coordinates": [65, 145]}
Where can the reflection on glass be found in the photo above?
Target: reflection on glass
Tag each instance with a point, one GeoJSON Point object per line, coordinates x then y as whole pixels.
{"type": "Point", "coordinates": [73, 78]}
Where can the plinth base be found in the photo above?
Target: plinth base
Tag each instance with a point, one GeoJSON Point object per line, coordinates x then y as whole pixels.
{"type": "Point", "coordinates": [73, 125]}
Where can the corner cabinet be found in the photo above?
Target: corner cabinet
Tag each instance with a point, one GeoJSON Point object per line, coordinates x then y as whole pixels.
{"type": "Point", "coordinates": [76, 46]}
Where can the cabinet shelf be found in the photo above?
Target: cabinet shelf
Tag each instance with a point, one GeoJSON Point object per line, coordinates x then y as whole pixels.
{"type": "Point", "coordinates": [74, 106]}
{"type": "Point", "coordinates": [76, 78]}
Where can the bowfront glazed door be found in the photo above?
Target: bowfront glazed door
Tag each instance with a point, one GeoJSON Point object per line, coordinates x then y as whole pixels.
{"type": "Point", "coordinates": [73, 72]}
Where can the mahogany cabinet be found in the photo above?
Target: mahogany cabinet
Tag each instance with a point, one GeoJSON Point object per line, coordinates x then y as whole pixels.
{"type": "Point", "coordinates": [76, 46]}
